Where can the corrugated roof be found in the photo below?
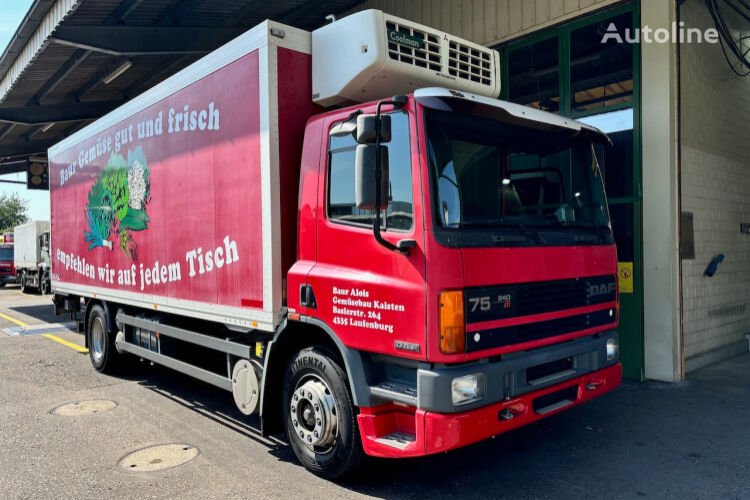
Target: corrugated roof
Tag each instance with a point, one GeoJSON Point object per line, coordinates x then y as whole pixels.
{"type": "Point", "coordinates": [39, 72]}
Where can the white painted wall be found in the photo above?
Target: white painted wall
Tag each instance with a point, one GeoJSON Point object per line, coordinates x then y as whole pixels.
{"type": "Point", "coordinates": [716, 188]}
{"type": "Point", "coordinates": [663, 356]}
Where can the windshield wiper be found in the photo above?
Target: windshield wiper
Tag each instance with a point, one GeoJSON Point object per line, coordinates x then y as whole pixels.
{"type": "Point", "coordinates": [527, 232]}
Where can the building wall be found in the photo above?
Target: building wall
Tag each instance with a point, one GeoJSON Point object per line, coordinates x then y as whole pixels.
{"type": "Point", "coordinates": [660, 202]}
{"type": "Point", "coordinates": [487, 21]}
{"type": "Point", "coordinates": [715, 175]}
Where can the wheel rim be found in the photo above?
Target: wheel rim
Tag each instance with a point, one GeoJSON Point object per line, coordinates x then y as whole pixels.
{"type": "Point", "coordinates": [313, 414]}
{"type": "Point", "coordinates": [97, 339]}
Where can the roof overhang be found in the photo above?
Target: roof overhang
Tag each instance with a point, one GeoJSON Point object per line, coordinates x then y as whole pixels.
{"type": "Point", "coordinates": [72, 61]}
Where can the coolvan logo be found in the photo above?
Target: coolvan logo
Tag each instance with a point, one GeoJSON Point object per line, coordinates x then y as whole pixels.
{"type": "Point", "coordinates": [404, 39]}
{"type": "Point", "coordinates": [677, 34]}
{"type": "Point", "coordinates": [603, 289]}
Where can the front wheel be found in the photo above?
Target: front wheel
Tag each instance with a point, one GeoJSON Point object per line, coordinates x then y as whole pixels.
{"type": "Point", "coordinates": [24, 286]}
{"type": "Point", "coordinates": [320, 418]}
{"type": "Point", "coordinates": [45, 285]}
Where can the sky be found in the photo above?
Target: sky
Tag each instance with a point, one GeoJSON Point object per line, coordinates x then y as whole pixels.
{"type": "Point", "coordinates": [11, 14]}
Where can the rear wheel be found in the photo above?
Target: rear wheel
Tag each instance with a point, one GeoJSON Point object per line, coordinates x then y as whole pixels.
{"type": "Point", "coordinates": [102, 351]}
{"type": "Point", "coordinates": [320, 418]}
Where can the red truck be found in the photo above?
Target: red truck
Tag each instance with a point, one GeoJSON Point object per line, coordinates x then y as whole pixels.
{"type": "Point", "coordinates": [7, 269]}
{"type": "Point", "coordinates": [397, 277]}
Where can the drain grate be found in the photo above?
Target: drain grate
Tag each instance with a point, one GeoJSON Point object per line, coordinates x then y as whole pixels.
{"type": "Point", "coordinates": [88, 407]}
{"type": "Point", "coordinates": [41, 329]}
{"type": "Point", "coordinates": [158, 457]}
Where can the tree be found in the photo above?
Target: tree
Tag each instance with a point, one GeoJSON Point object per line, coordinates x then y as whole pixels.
{"type": "Point", "coordinates": [14, 210]}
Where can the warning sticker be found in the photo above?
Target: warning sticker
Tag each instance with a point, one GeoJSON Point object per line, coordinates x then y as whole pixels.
{"type": "Point", "coordinates": [625, 277]}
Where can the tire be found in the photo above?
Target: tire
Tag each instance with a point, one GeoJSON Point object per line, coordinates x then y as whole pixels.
{"type": "Point", "coordinates": [318, 407]}
{"type": "Point", "coordinates": [45, 285]}
{"type": "Point", "coordinates": [2, 284]}
{"type": "Point", "coordinates": [101, 342]}
{"type": "Point", "coordinates": [24, 287]}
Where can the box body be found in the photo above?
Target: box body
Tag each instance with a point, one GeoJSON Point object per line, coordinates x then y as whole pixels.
{"type": "Point", "coordinates": [28, 251]}
{"type": "Point", "coordinates": [180, 199]}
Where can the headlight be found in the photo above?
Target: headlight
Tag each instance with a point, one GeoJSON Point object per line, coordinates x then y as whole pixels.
{"type": "Point", "coordinates": [613, 348]}
{"type": "Point", "coordinates": [467, 389]}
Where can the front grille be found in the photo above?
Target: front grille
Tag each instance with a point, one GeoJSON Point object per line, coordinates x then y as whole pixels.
{"type": "Point", "coordinates": [426, 57]}
{"type": "Point", "coordinates": [523, 299]}
{"type": "Point", "coordinates": [534, 373]}
{"type": "Point", "coordinates": [6, 269]}
{"type": "Point", "coordinates": [528, 332]}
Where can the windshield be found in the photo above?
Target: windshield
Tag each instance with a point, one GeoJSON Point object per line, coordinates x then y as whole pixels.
{"type": "Point", "coordinates": [6, 253]}
{"type": "Point", "coordinates": [489, 173]}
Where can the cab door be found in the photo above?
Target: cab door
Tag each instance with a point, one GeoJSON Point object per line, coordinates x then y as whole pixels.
{"type": "Point", "coordinates": [371, 297]}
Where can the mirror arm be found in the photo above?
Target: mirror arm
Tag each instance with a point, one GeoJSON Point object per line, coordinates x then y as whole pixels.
{"type": "Point", "coordinates": [378, 175]}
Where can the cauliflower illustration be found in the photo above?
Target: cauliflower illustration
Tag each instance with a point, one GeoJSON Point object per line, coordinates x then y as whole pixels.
{"type": "Point", "coordinates": [137, 185]}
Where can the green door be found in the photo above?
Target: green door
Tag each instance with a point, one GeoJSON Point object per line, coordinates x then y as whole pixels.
{"type": "Point", "coordinates": [619, 164]}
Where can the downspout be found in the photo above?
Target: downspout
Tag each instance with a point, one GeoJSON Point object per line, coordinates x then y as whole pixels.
{"type": "Point", "coordinates": [679, 187]}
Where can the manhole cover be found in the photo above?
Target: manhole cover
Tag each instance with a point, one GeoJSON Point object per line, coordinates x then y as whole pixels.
{"type": "Point", "coordinates": [162, 456]}
{"type": "Point", "coordinates": [89, 407]}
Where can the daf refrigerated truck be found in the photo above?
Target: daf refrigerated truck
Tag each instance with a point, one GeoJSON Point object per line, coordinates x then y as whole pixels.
{"type": "Point", "coordinates": [348, 231]}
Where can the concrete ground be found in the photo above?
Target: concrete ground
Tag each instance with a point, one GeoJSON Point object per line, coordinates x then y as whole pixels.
{"type": "Point", "coordinates": [687, 440]}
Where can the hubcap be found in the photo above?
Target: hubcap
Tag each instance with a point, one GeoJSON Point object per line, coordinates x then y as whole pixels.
{"type": "Point", "coordinates": [97, 339]}
{"type": "Point", "coordinates": [313, 414]}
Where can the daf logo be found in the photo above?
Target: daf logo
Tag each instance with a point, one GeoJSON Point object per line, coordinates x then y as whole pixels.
{"type": "Point", "coordinates": [603, 289]}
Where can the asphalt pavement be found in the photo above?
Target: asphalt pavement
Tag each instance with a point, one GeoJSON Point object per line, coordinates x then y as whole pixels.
{"type": "Point", "coordinates": [652, 440]}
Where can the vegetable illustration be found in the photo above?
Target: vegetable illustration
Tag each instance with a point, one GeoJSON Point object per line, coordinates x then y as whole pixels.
{"type": "Point", "coordinates": [117, 203]}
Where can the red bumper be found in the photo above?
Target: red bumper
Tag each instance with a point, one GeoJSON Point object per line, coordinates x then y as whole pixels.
{"type": "Point", "coordinates": [419, 432]}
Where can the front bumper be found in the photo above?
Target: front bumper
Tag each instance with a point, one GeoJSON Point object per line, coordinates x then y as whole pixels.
{"type": "Point", "coordinates": [8, 278]}
{"type": "Point", "coordinates": [394, 430]}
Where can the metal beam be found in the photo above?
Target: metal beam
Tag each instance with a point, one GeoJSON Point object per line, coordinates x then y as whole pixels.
{"type": "Point", "coordinates": [239, 16]}
{"type": "Point", "coordinates": [95, 81]}
{"type": "Point", "coordinates": [26, 148]}
{"type": "Point", "coordinates": [14, 167]}
{"type": "Point", "coordinates": [177, 12]}
{"type": "Point", "coordinates": [144, 40]}
{"type": "Point", "coordinates": [55, 112]}
{"type": "Point", "coordinates": [154, 78]}
{"type": "Point", "coordinates": [52, 82]}
{"type": "Point", "coordinates": [6, 129]}
{"type": "Point", "coordinates": [122, 11]}
{"type": "Point", "coordinates": [303, 11]}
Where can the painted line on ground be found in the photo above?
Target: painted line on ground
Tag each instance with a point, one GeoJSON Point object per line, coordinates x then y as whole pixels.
{"type": "Point", "coordinates": [47, 335]}
{"type": "Point", "coordinates": [13, 320]}
{"type": "Point", "coordinates": [65, 342]}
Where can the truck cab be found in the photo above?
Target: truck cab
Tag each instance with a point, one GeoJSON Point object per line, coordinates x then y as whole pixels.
{"type": "Point", "coordinates": [7, 269]}
{"type": "Point", "coordinates": [495, 303]}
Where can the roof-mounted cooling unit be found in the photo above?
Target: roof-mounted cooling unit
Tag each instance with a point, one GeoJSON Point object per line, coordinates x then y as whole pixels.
{"type": "Point", "coordinates": [372, 55]}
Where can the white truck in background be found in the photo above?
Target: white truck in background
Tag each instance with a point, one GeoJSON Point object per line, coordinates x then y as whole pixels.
{"type": "Point", "coordinates": [32, 257]}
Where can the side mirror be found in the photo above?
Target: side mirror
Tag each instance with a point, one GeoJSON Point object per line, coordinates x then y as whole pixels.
{"type": "Point", "coordinates": [342, 129]}
{"type": "Point", "coordinates": [366, 129]}
{"type": "Point", "coordinates": [364, 176]}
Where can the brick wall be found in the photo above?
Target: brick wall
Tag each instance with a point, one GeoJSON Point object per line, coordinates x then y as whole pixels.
{"type": "Point", "coordinates": [716, 188]}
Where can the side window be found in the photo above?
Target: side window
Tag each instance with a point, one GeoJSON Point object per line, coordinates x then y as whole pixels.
{"type": "Point", "coordinates": [399, 213]}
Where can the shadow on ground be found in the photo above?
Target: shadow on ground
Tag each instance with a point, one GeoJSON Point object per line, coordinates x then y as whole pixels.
{"type": "Point", "coordinates": [45, 313]}
{"type": "Point", "coordinates": [643, 440]}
